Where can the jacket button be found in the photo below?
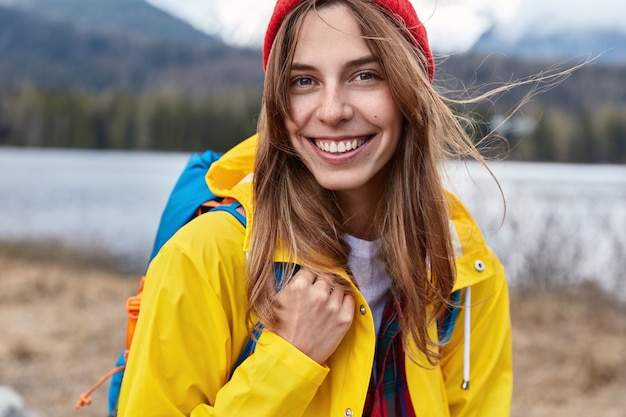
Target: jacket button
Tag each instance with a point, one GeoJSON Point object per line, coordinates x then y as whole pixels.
{"type": "Point", "coordinates": [479, 265]}
{"type": "Point", "coordinates": [348, 412]}
{"type": "Point", "coordinates": [362, 309]}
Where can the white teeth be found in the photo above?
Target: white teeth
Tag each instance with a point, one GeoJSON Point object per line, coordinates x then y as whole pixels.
{"type": "Point", "coordinates": [339, 146]}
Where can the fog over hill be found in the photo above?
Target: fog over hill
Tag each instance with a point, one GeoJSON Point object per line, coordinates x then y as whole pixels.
{"type": "Point", "coordinates": [134, 18]}
{"type": "Point", "coordinates": [62, 50]}
{"type": "Point", "coordinates": [537, 29]}
{"type": "Point", "coordinates": [606, 45]}
{"type": "Point", "coordinates": [528, 29]}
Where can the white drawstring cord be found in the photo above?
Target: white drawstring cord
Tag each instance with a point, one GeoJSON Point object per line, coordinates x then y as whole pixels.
{"type": "Point", "coordinates": [466, 346]}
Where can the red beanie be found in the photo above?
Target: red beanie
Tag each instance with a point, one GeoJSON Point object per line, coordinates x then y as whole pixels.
{"type": "Point", "coordinates": [400, 8]}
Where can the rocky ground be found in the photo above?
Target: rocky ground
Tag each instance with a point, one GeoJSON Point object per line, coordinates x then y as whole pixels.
{"type": "Point", "coordinates": [62, 327]}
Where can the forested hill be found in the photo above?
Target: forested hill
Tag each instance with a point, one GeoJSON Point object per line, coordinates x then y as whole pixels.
{"type": "Point", "coordinates": [140, 79]}
{"type": "Point", "coordinates": [134, 18]}
{"type": "Point", "coordinates": [38, 52]}
{"type": "Point", "coordinates": [54, 53]}
{"type": "Point", "coordinates": [592, 86]}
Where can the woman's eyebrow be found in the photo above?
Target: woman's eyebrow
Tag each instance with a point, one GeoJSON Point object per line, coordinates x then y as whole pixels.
{"type": "Point", "coordinates": [369, 59]}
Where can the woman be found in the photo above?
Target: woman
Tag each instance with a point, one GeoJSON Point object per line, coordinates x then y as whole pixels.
{"type": "Point", "coordinates": [353, 253]}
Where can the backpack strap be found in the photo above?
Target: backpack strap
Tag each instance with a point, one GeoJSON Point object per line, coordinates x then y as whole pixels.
{"type": "Point", "coordinates": [233, 207]}
{"type": "Point", "coordinates": [445, 324]}
{"type": "Point", "coordinates": [279, 273]}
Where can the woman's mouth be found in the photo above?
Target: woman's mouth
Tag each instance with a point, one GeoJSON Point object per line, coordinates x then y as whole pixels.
{"type": "Point", "coordinates": [340, 146]}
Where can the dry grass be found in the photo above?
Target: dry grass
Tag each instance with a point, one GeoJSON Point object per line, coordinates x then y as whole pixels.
{"type": "Point", "coordinates": [62, 327]}
{"type": "Point", "coordinates": [569, 354]}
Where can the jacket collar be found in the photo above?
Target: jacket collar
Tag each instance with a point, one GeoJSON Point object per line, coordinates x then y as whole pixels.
{"type": "Point", "coordinates": [231, 176]}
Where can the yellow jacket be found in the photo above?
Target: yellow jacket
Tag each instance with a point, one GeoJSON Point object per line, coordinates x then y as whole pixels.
{"type": "Point", "coordinates": [192, 328]}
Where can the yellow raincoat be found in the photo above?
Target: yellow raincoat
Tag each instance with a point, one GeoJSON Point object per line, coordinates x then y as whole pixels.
{"type": "Point", "coordinates": [192, 328]}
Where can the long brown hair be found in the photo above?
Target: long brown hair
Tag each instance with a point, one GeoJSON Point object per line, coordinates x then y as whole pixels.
{"type": "Point", "coordinates": [294, 212]}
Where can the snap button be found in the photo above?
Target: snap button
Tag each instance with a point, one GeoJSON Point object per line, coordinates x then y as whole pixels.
{"type": "Point", "coordinates": [479, 265]}
{"type": "Point", "coordinates": [348, 412]}
{"type": "Point", "coordinates": [363, 310]}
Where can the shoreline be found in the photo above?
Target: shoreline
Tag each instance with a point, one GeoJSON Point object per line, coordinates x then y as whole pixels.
{"type": "Point", "coordinates": [58, 251]}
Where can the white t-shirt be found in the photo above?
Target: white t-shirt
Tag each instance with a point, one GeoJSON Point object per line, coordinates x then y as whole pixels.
{"type": "Point", "coordinates": [370, 273]}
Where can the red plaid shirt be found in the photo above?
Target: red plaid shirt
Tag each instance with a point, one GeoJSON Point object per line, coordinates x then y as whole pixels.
{"type": "Point", "coordinates": [388, 393]}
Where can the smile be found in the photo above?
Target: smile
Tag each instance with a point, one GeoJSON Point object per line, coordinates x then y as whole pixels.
{"type": "Point", "coordinates": [339, 146]}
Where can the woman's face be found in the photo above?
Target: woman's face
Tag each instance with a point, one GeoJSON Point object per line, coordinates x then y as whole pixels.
{"type": "Point", "coordinates": [344, 124]}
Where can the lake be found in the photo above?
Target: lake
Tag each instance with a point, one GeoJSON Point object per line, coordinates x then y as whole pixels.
{"type": "Point", "coordinates": [563, 223]}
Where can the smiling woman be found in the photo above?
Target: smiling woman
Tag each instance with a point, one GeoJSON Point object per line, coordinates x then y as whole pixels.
{"type": "Point", "coordinates": [355, 264]}
{"type": "Point", "coordinates": [344, 123]}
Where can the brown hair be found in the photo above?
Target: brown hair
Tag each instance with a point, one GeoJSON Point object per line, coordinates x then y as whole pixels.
{"type": "Point", "coordinates": [412, 221]}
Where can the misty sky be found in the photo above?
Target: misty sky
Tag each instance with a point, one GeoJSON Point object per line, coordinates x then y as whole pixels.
{"type": "Point", "coordinates": [453, 25]}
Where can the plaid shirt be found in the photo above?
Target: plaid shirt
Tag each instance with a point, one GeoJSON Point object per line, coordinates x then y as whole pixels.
{"type": "Point", "coordinates": [388, 394]}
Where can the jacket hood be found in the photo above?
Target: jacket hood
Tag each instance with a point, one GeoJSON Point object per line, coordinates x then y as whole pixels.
{"type": "Point", "coordinates": [231, 177]}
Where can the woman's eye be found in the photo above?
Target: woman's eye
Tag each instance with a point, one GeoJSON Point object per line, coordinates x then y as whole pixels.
{"type": "Point", "coordinates": [365, 76]}
{"type": "Point", "coordinates": [303, 82]}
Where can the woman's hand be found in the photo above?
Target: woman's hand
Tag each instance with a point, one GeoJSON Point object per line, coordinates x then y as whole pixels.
{"type": "Point", "coordinates": [313, 314]}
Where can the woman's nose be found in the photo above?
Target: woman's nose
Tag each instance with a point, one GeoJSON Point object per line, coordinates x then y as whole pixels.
{"type": "Point", "coordinates": [335, 106]}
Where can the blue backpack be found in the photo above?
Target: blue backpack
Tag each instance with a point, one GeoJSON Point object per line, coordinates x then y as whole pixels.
{"type": "Point", "coordinates": [189, 198]}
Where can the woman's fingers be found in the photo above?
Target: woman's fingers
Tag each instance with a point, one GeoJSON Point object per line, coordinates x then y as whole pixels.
{"type": "Point", "coordinates": [313, 314]}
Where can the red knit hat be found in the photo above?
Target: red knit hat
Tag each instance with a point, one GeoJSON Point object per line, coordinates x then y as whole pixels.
{"type": "Point", "coordinates": [400, 8]}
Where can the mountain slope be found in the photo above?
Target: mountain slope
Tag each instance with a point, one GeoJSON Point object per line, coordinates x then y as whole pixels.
{"type": "Point", "coordinates": [609, 45]}
{"type": "Point", "coordinates": [40, 52]}
{"type": "Point", "coordinates": [44, 53]}
{"type": "Point", "coordinates": [135, 18]}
